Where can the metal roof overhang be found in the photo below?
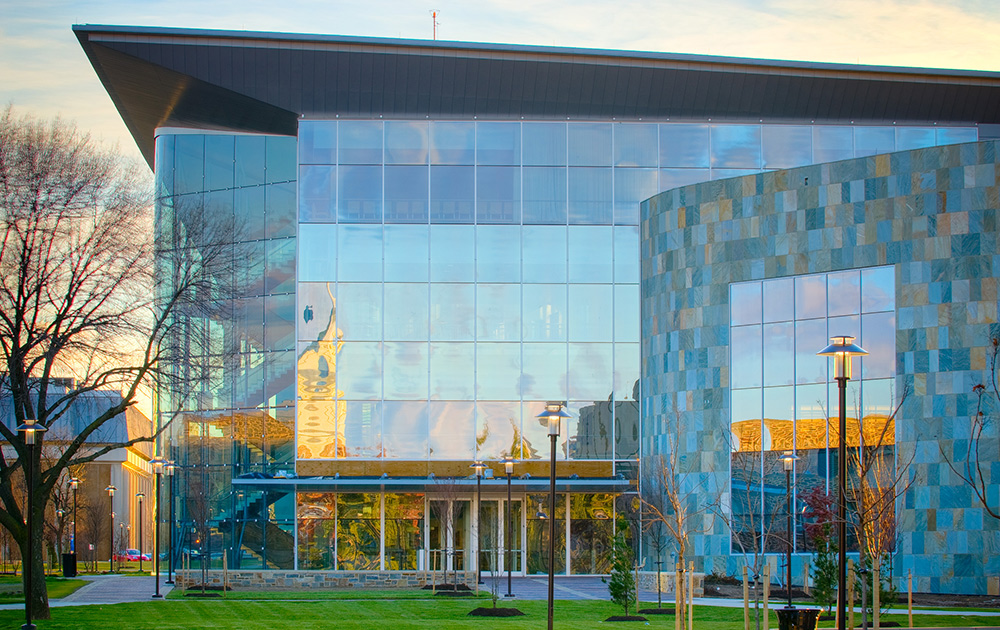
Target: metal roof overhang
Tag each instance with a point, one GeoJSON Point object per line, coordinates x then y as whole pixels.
{"type": "Point", "coordinates": [426, 484]}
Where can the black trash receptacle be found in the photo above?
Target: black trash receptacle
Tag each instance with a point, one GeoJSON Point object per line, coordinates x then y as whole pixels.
{"type": "Point", "coordinates": [797, 618]}
{"type": "Point", "coordinates": [69, 564]}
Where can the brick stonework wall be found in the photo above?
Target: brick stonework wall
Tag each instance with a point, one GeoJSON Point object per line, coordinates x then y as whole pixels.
{"type": "Point", "coordinates": [317, 580]}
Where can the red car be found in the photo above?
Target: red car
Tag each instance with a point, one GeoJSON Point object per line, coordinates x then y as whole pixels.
{"type": "Point", "coordinates": [131, 555]}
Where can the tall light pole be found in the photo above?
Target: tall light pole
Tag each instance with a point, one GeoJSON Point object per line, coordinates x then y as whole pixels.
{"type": "Point", "coordinates": [74, 483]}
{"type": "Point", "coordinates": [140, 496]}
{"type": "Point", "coordinates": [30, 432]}
{"type": "Point", "coordinates": [788, 461]}
{"type": "Point", "coordinates": [479, 466]}
{"type": "Point", "coordinates": [553, 414]}
{"type": "Point", "coordinates": [111, 537]}
{"type": "Point", "coordinates": [843, 350]}
{"type": "Point", "coordinates": [169, 469]}
{"type": "Point", "coordinates": [508, 468]}
{"type": "Point", "coordinates": [158, 464]}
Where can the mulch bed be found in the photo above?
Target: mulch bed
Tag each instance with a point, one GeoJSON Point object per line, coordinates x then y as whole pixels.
{"type": "Point", "coordinates": [626, 618]}
{"type": "Point", "coordinates": [496, 612]}
{"type": "Point", "coordinates": [200, 594]}
{"type": "Point", "coordinates": [447, 587]}
{"type": "Point", "coordinates": [657, 611]}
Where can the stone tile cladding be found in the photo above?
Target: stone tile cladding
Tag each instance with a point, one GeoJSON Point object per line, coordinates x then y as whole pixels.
{"type": "Point", "coordinates": [318, 580]}
{"type": "Point", "coordinates": [933, 214]}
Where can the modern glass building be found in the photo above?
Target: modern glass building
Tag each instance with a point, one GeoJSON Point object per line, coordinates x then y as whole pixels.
{"type": "Point", "coordinates": [434, 239]}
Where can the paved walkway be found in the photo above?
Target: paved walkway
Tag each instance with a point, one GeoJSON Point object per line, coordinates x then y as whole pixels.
{"type": "Point", "coordinates": [108, 589]}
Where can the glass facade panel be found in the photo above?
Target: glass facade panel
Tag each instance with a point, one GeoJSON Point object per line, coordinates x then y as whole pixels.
{"type": "Point", "coordinates": [810, 338]}
{"type": "Point", "coordinates": [591, 526]}
{"type": "Point", "coordinates": [498, 194]}
{"type": "Point", "coordinates": [359, 253]}
{"type": "Point", "coordinates": [404, 529]}
{"type": "Point", "coordinates": [362, 432]}
{"type": "Point", "coordinates": [590, 144]}
{"type": "Point", "coordinates": [406, 256]}
{"type": "Point", "coordinates": [358, 314]}
{"type": "Point", "coordinates": [360, 190]}
{"type": "Point", "coordinates": [953, 135]}
{"type": "Point", "coordinates": [189, 172]}
{"type": "Point", "coordinates": [544, 371]}
{"type": "Point", "coordinates": [627, 253]}
{"type": "Point", "coordinates": [544, 313]}
{"type": "Point", "coordinates": [872, 140]}
{"type": "Point", "coordinates": [786, 146]}
{"type": "Point", "coordinates": [636, 144]}
{"type": "Point", "coordinates": [404, 429]}
{"type": "Point", "coordinates": [538, 534]}
{"type": "Point", "coordinates": [591, 252]}
{"type": "Point", "coordinates": [590, 430]}
{"type": "Point", "coordinates": [280, 216]}
{"type": "Point", "coordinates": [543, 254]}
{"type": "Point", "coordinates": [498, 371]}
{"type": "Point", "coordinates": [318, 253]}
{"type": "Point", "coordinates": [747, 357]}
{"type": "Point", "coordinates": [498, 430]}
{"type": "Point", "coordinates": [453, 142]}
{"type": "Point", "coordinates": [453, 253]}
{"type": "Point", "coordinates": [810, 296]}
{"type": "Point", "coordinates": [878, 289]}
{"type": "Point", "coordinates": [684, 146]}
{"type": "Point", "coordinates": [878, 337]}
{"type": "Point", "coordinates": [360, 142]}
{"type": "Point", "coordinates": [317, 142]}
{"type": "Point", "coordinates": [453, 194]}
{"type": "Point", "coordinates": [453, 374]}
{"type": "Point", "coordinates": [359, 370]}
{"type": "Point", "coordinates": [677, 177]}
{"type": "Point", "coordinates": [832, 143]}
{"type": "Point", "coordinates": [498, 312]}
{"type": "Point", "coordinates": [316, 310]}
{"type": "Point", "coordinates": [498, 253]}
{"type": "Point", "coordinates": [908, 138]}
{"type": "Point", "coordinates": [406, 194]}
{"type": "Point", "coordinates": [544, 144]}
{"type": "Point", "coordinates": [406, 312]}
{"type": "Point", "coordinates": [452, 312]}
{"type": "Point", "coordinates": [452, 434]}
{"type": "Point", "coordinates": [250, 151]}
{"type": "Point", "coordinates": [626, 375]}
{"type": "Point", "coordinates": [406, 142]}
{"type": "Point", "coordinates": [359, 532]}
{"type": "Point", "coordinates": [590, 371]}
{"type": "Point", "coordinates": [844, 293]}
{"type": "Point", "coordinates": [544, 195]}
{"type": "Point", "coordinates": [590, 313]}
{"type": "Point", "coordinates": [778, 300]}
{"type": "Point", "coordinates": [632, 186]}
{"type": "Point", "coordinates": [590, 196]}
{"type": "Point", "coordinates": [745, 303]}
{"type": "Point", "coordinates": [779, 354]}
{"type": "Point", "coordinates": [498, 143]}
{"type": "Point", "coordinates": [220, 166]}
{"type": "Point", "coordinates": [736, 146]}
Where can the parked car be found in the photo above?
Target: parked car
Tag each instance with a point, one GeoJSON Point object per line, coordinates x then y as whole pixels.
{"type": "Point", "coordinates": [132, 555]}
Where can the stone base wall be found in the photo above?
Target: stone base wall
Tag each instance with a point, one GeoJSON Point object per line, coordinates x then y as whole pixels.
{"type": "Point", "coordinates": [318, 580]}
{"type": "Point", "coordinates": [665, 582]}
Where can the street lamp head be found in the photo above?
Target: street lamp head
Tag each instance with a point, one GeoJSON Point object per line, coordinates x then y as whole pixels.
{"type": "Point", "coordinates": [29, 430]}
{"type": "Point", "coordinates": [111, 491]}
{"type": "Point", "coordinates": [479, 467]}
{"type": "Point", "coordinates": [508, 465]}
{"type": "Point", "coordinates": [74, 483]}
{"type": "Point", "coordinates": [140, 496]}
{"type": "Point", "coordinates": [169, 467]}
{"type": "Point", "coordinates": [788, 460]}
{"type": "Point", "coordinates": [60, 513]}
{"type": "Point", "coordinates": [157, 463]}
{"type": "Point", "coordinates": [842, 348]}
{"type": "Point", "coordinates": [553, 414]}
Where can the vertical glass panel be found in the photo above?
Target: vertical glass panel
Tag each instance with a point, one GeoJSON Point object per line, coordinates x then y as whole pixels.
{"type": "Point", "coordinates": [955, 135]}
{"type": "Point", "coordinates": [406, 253]}
{"type": "Point", "coordinates": [876, 406]}
{"type": "Point", "coordinates": [536, 444]}
{"type": "Point", "coordinates": [747, 356]}
{"type": "Point", "coordinates": [249, 208]}
{"type": "Point", "coordinates": [404, 528]}
{"type": "Point", "coordinates": [406, 309]}
{"type": "Point", "coordinates": [589, 430]}
{"type": "Point", "coordinates": [810, 338]}
{"type": "Point", "coordinates": [280, 445]}
{"type": "Point", "coordinates": [164, 164]}
{"type": "Point", "coordinates": [844, 293]}
{"type": "Point", "coordinates": [280, 214]}
{"type": "Point", "coordinates": [498, 143]}
{"type": "Point", "coordinates": [778, 299]}
{"type": "Point", "coordinates": [359, 532]}
{"type": "Point", "coordinates": [786, 146]}
{"type": "Point", "coordinates": [279, 159]}
{"type": "Point", "coordinates": [250, 269]}
{"type": "Point", "coordinates": [543, 254]}
{"type": "Point", "coordinates": [726, 173]}
{"type": "Point", "coordinates": [544, 314]}
{"type": "Point", "coordinates": [810, 297]}
{"type": "Point", "coordinates": [590, 312]}
{"type": "Point", "coordinates": [453, 142]}
{"type": "Point", "coordinates": [498, 371]}
{"type": "Point", "coordinates": [359, 311]}
{"type": "Point", "coordinates": [677, 177]}
{"type": "Point", "coordinates": [745, 303]}
{"type": "Point", "coordinates": [453, 253]}
{"type": "Point", "coordinates": [498, 312]}
{"type": "Point", "coordinates": [453, 373]}
{"type": "Point", "coordinates": [908, 138]}
{"type": "Point", "coordinates": [684, 145]}
{"type": "Point", "coordinates": [405, 142]}
{"type": "Point", "coordinates": [316, 535]}
{"type": "Point", "coordinates": [538, 535]}
{"type": "Point", "coordinates": [846, 325]}
{"type": "Point", "coordinates": [812, 414]}
{"type": "Point", "coordinates": [590, 254]}
{"type": "Point", "coordinates": [498, 430]}
{"type": "Point", "coordinates": [318, 424]}
{"type": "Point", "coordinates": [406, 371]}
{"type": "Point", "coordinates": [318, 252]}
{"type": "Point", "coordinates": [404, 430]}
{"type": "Point", "coordinates": [453, 194]}
{"type": "Point", "coordinates": [360, 198]}
{"type": "Point", "coordinates": [832, 143]}
{"type": "Point", "coordinates": [359, 370]}
{"type": "Point", "coordinates": [316, 316]}
{"type": "Point", "coordinates": [636, 144]}
{"type": "Point", "coordinates": [452, 430]}
{"type": "Point", "coordinates": [626, 377]}
{"type": "Point", "coordinates": [590, 374]}
{"type": "Point", "coordinates": [544, 195]}
{"type": "Point", "coordinates": [627, 253]}
{"type": "Point", "coordinates": [746, 415]}
{"type": "Point", "coordinates": [779, 354]}
{"type": "Point", "coordinates": [362, 433]}
{"type": "Point", "coordinates": [545, 372]}
{"type": "Point", "coordinates": [590, 196]}
{"type": "Point", "coordinates": [632, 186]}
{"type": "Point", "coordinates": [498, 194]}
{"type": "Point", "coordinates": [453, 312]}
{"type": "Point", "coordinates": [406, 194]}
{"type": "Point", "coordinates": [779, 418]}
{"type": "Point", "coordinates": [626, 312]}
{"type": "Point", "coordinates": [280, 276]}
{"type": "Point", "coordinates": [220, 169]}
{"type": "Point", "coordinates": [878, 336]}
{"type": "Point", "coordinates": [878, 289]}
{"type": "Point", "coordinates": [498, 253]}
{"type": "Point", "coordinates": [318, 193]}
{"type": "Point", "coordinates": [279, 382]}
{"type": "Point", "coordinates": [872, 140]}
{"type": "Point", "coordinates": [589, 144]}
{"type": "Point", "coordinates": [591, 526]}
{"type": "Point", "coordinates": [544, 143]}
{"type": "Point", "coordinates": [736, 146]}
{"type": "Point", "coordinates": [249, 160]}
{"type": "Point", "coordinates": [360, 141]}
{"type": "Point", "coordinates": [317, 142]}
{"type": "Point", "coordinates": [189, 173]}
{"type": "Point", "coordinates": [359, 253]}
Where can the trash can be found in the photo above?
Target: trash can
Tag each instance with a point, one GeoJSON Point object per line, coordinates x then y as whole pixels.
{"type": "Point", "coordinates": [797, 618]}
{"type": "Point", "coordinates": [69, 564]}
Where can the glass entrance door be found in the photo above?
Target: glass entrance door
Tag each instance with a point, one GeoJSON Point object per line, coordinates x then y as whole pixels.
{"type": "Point", "coordinates": [450, 529]}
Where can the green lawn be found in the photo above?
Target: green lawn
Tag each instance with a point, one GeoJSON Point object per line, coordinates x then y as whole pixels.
{"type": "Point", "coordinates": [58, 587]}
{"type": "Point", "coordinates": [401, 614]}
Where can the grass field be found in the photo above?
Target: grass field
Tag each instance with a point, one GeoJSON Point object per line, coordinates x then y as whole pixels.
{"type": "Point", "coordinates": [58, 587]}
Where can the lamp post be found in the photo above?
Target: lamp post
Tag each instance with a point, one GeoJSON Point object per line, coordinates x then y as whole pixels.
{"type": "Point", "coordinates": [140, 496]}
{"type": "Point", "coordinates": [788, 460]}
{"type": "Point", "coordinates": [158, 464]}
{"type": "Point", "coordinates": [74, 483]}
{"type": "Point", "coordinates": [30, 432]}
{"type": "Point", "coordinates": [169, 470]}
{"type": "Point", "coordinates": [508, 468]}
{"type": "Point", "coordinates": [479, 466]}
{"type": "Point", "coordinates": [553, 414]}
{"type": "Point", "coordinates": [111, 535]}
{"type": "Point", "coordinates": [843, 350]}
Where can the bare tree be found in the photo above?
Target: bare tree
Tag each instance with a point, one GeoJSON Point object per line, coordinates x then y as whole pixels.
{"type": "Point", "coordinates": [87, 303]}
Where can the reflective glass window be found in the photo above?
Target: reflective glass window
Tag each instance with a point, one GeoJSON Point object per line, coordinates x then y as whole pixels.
{"type": "Point", "coordinates": [317, 142]}
{"type": "Point", "coordinates": [453, 373]}
{"type": "Point", "coordinates": [544, 195]}
{"type": "Point", "coordinates": [498, 194]}
{"type": "Point", "coordinates": [746, 357]}
{"type": "Point", "coordinates": [736, 146]}
{"type": "Point", "coordinates": [280, 214]}
{"type": "Point", "coordinates": [590, 196]}
{"type": "Point", "coordinates": [544, 143]}
{"type": "Point", "coordinates": [359, 253]}
{"type": "Point", "coordinates": [779, 418]}
{"type": "Point", "coordinates": [626, 375]}
{"type": "Point", "coordinates": [877, 404]}
{"type": "Point", "coordinates": [498, 429]}
{"type": "Point", "coordinates": [908, 138]}
{"type": "Point", "coordinates": [317, 252]}
{"type": "Point", "coordinates": [626, 312]}
{"type": "Point", "coordinates": [832, 143]}
{"type": "Point", "coordinates": [189, 172]}
{"type": "Point", "coordinates": [359, 370]}
{"type": "Point", "coordinates": [405, 142]}
{"type": "Point", "coordinates": [878, 289]}
{"type": "Point", "coordinates": [677, 177]}
{"type": "Point", "coordinates": [746, 414]}
{"type": "Point", "coordinates": [452, 430]}
{"type": "Point", "coordinates": [358, 313]}
{"type": "Point", "coordinates": [844, 293]}
{"type": "Point", "coordinates": [453, 312]}
{"type": "Point", "coordinates": [591, 253]}
{"type": "Point", "coordinates": [453, 143]}
{"type": "Point", "coordinates": [683, 145]}
{"type": "Point", "coordinates": [250, 268]}
{"type": "Point", "coordinates": [317, 429]}
{"type": "Point", "coordinates": [249, 207]}
{"type": "Point", "coordinates": [590, 312]}
{"type": "Point", "coordinates": [878, 337]}
{"type": "Point", "coordinates": [498, 253]}
{"type": "Point", "coordinates": [362, 432]}
{"type": "Point", "coordinates": [249, 160]}
{"type": "Point", "coordinates": [544, 375]}
{"type": "Point", "coordinates": [360, 198]}
{"type": "Point", "coordinates": [589, 144]}
{"type": "Point", "coordinates": [543, 254]}
{"type": "Point", "coordinates": [359, 532]}
{"type": "Point", "coordinates": [636, 144]}
{"type": "Point", "coordinates": [453, 253]}
{"type": "Point", "coordinates": [845, 325]}
{"type": "Point", "coordinates": [590, 371]}
{"type": "Point", "coordinates": [627, 253]}
{"type": "Point", "coordinates": [406, 253]}
{"type": "Point", "coordinates": [279, 322]}
{"type": "Point", "coordinates": [318, 193]}
{"type": "Point", "coordinates": [498, 371]}
{"type": "Point", "coordinates": [810, 338]}
{"type": "Point", "coordinates": [498, 143]}
{"type": "Point", "coordinates": [220, 168]}
{"type": "Point", "coordinates": [498, 312]}
{"type": "Point", "coordinates": [279, 159]}
{"type": "Point", "coordinates": [778, 300]}
{"type": "Point", "coordinates": [956, 135]}
{"type": "Point", "coordinates": [280, 267]}
{"type": "Point", "coordinates": [406, 194]}
{"type": "Point", "coordinates": [745, 303]}
{"type": "Point", "coordinates": [404, 528]}
{"type": "Point", "coordinates": [632, 186]}
{"type": "Point", "coordinates": [872, 140]}
{"type": "Point", "coordinates": [786, 146]}
{"type": "Point", "coordinates": [779, 354]}
{"type": "Point", "coordinates": [164, 164]}
{"type": "Point", "coordinates": [360, 141]}
{"type": "Point", "coordinates": [453, 194]}
{"type": "Point", "coordinates": [316, 316]}
{"type": "Point", "coordinates": [726, 173]}
{"type": "Point", "coordinates": [810, 296]}
{"type": "Point", "coordinates": [406, 371]}
{"type": "Point", "coordinates": [544, 313]}
{"type": "Point", "coordinates": [406, 308]}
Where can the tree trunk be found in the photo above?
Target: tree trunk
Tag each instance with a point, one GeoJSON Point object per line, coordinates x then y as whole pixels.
{"type": "Point", "coordinates": [39, 594]}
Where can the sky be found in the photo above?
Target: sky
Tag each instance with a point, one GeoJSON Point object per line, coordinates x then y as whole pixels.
{"type": "Point", "coordinates": [43, 70]}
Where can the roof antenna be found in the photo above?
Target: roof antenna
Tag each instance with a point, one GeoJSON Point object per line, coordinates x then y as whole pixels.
{"type": "Point", "coordinates": [434, 19]}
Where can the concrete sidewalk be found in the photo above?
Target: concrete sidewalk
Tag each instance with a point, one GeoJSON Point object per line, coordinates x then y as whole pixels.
{"type": "Point", "coordinates": [108, 589]}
